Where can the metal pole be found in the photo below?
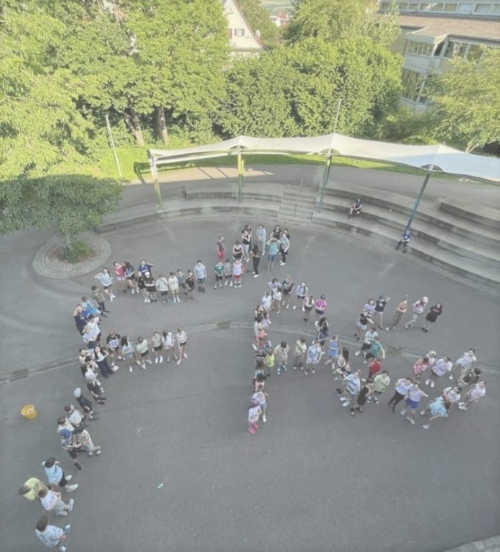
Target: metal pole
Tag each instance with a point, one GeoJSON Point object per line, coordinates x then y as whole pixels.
{"type": "Point", "coordinates": [328, 164]}
{"type": "Point", "coordinates": [419, 198]}
{"type": "Point", "coordinates": [156, 185]}
{"type": "Point", "coordinates": [240, 174]}
{"type": "Point", "coordinates": [112, 145]}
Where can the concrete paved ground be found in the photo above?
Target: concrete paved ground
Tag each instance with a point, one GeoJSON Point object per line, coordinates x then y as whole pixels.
{"type": "Point", "coordinates": [313, 478]}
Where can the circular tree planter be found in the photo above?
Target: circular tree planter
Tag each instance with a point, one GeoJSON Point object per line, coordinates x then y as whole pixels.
{"type": "Point", "coordinates": [47, 261]}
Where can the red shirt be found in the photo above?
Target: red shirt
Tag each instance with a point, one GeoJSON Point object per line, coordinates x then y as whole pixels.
{"type": "Point", "coordinates": [374, 368]}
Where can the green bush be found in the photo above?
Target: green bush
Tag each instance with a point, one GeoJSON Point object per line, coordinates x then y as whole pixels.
{"type": "Point", "coordinates": [75, 252]}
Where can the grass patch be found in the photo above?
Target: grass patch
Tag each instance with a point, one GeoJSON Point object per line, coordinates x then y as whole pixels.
{"type": "Point", "coordinates": [75, 252]}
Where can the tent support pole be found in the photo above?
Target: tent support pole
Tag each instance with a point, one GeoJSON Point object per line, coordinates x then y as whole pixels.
{"type": "Point", "coordinates": [419, 197]}
{"type": "Point", "coordinates": [328, 164]}
{"type": "Point", "coordinates": [240, 174]}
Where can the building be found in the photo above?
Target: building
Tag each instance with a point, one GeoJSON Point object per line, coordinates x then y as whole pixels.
{"type": "Point", "coordinates": [435, 32]}
{"type": "Point", "coordinates": [242, 39]}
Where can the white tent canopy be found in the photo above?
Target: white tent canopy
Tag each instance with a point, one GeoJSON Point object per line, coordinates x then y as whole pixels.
{"type": "Point", "coordinates": [439, 157]}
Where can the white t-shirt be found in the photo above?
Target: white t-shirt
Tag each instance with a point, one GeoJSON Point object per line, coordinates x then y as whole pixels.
{"type": "Point", "coordinates": [415, 394]}
{"type": "Point", "coordinates": [277, 295]}
{"type": "Point", "coordinates": [477, 392]}
{"type": "Point", "coordinates": [441, 367]}
{"type": "Point", "coordinates": [451, 395]}
{"type": "Point", "coordinates": [75, 417]}
{"type": "Point", "coordinates": [142, 347]}
{"type": "Point", "coordinates": [237, 269]}
{"type": "Point", "coordinates": [50, 500]}
{"type": "Point", "coordinates": [161, 284]}
{"type": "Point", "coordinates": [173, 283]}
{"type": "Point", "coordinates": [254, 413]}
{"type": "Point", "coordinates": [168, 340]}
{"type": "Point", "coordinates": [402, 387]}
{"type": "Point", "coordinates": [466, 360]}
{"type": "Point", "coordinates": [266, 301]}
{"type": "Point", "coordinates": [51, 536]}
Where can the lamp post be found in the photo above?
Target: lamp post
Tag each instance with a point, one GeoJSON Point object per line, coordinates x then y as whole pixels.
{"type": "Point", "coordinates": [156, 185]}
{"type": "Point", "coordinates": [328, 164]}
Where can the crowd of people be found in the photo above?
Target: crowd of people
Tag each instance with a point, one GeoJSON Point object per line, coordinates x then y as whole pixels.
{"type": "Point", "coordinates": [100, 354]}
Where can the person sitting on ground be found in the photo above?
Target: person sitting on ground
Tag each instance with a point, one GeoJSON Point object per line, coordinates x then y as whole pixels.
{"type": "Point", "coordinates": [355, 208]}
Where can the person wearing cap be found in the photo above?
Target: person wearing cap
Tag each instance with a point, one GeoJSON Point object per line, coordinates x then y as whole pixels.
{"type": "Point", "coordinates": [405, 240]}
{"type": "Point", "coordinates": [85, 404]}
{"type": "Point", "coordinates": [355, 209]}
{"type": "Point", "coordinates": [56, 476]}
{"type": "Point", "coordinates": [30, 488]}
{"type": "Point", "coordinates": [52, 536]}
{"type": "Point", "coordinates": [417, 308]}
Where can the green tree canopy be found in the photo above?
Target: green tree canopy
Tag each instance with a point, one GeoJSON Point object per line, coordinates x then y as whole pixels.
{"type": "Point", "coordinates": [465, 101]}
{"type": "Point", "coordinates": [338, 19]}
{"type": "Point", "coordinates": [259, 20]}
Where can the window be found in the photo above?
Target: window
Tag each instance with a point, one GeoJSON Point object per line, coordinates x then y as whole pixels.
{"type": "Point", "coordinates": [482, 8]}
{"type": "Point", "coordinates": [385, 6]}
{"type": "Point", "coordinates": [436, 7]}
{"type": "Point", "coordinates": [495, 9]}
{"type": "Point", "coordinates": [424, 6]}
{"type": "Point", "coordinates": [465, 8]}
{"type": "Point", "coordinates": [412, 84]}
{"type": "Point", "coordinates": [413, 6]}
{"type": "Point", "coordinates": [419, 48]}
{"type": "Point", "coordinates": [450, 8]}
{"type": "Point", "coordinates": [403, 6]}
{"type": "Point", "coordinates": [239, 32]}
{"type": "Point", "coordinates": [475, 52]}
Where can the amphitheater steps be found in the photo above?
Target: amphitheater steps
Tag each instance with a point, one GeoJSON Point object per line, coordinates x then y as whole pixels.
{"type": "Point", "coordinates": [297, 206]}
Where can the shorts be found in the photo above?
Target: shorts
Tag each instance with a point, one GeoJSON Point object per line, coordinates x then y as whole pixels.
{"type": "Point", "coordinates": [227, 276]}
{"type": "Point", "coordinates": [158, 348]}
{"type": "Point", "coordinates": [308, 309]}
{"type": "Point", "coordinates": [365, 346]}
{"type": "Point", "coordinates": [412, 404]}
{"type": "Point", "coordinates": [361, 326]}
{"type": "Point", "coordinates": [220, 255]}
{"type": "Point", "coordinates": [238, 256]}
{"type": "Point", "coordinates": [218, 278]}
{"type": "Point", "coordinates": [174, 290]}
{"type": "Point", "coordinates": [120, 278]}
{"type": "Point", "coordinates": [237, 277]}
{"type": "Point", "coordinates": [106, 287]}
{"type": "Point", "coordinates": [200, 280]}
{"type": "Point", "coordinates": [271, 258]}
{"type": "Point", "coordinates": [163, 293]}
{"type": "Point", "coordinates": [320, 312]}
{"type": "Point", "coordinates": [300, 297]}
{"type": "Point", "coordinates": [183, 344]}
{"type": "Point", "coordinates": [144, 354]}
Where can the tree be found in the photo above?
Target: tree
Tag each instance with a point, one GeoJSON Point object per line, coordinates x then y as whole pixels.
{"type": "Point", "coordinates": [338, 19]}
{"type": "Point", "coordinates": [259, 20]}
{"type": "Point", "coordinates": [40, 128]}
{"type": "Point", "coordinates": [73, 203]}
{"type": "Point", "coordinates": [465, 101]}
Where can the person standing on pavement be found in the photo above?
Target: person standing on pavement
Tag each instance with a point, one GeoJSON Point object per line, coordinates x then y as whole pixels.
{"type": "Point", "coordinates": [333, 351]}
{"type": "Point", "coordinates": [56, 476]}
{"type": "Point", "coordinates": [168, 342]}
{"type": "Point", "coordinates": [173, 287]}
{"type": "Point", "coordinates": [246, 240]}
{"type": "Point", "coordinates": [314, 353]}
{"type": "Point", "coordinates": [378, 314]}
{"type": "Point", "coordinates": [52, 536]}
{"type": "Point", "coordinates": [119, 270]}
{"type": "Point", "coordinates": [398, 313]}
{"type": "Point", "coordinates": [300, 294]}
{"type": "Point", "coordinates": [403, 386]}
{"type": "Point", "coordinates": [80, 319]}
{"type": "Point", "coordinates": [474, 395]}
{"type": "Point", "coordinates": [272, 252]}
{"type": "Point", "coordinates": [237, 251]}
{"type": "Point", "coordinates": [200, 271]}
{"type": "Point", "coordinates": [436, 409]}
{"type": "Point", "coordinates": [161, 285]}
{"type": "Point", "coordinates": [255, 254]}
{"type": "Point", "coordinates": [351, 384]}
{"type": "Point", "coordinates": [368, 338]}
{"type": "Point", "coordinates": [157, 344]}
{"type": "Point", "coordinates": [464, 364]}
{"type": "Point", "coordinates": [431, 317]}
{"type": "Point", "coordinates": [221, 248]}
{"type": "Point", "coordinates": [181, 341]}
{"type": "Point", "coordinates": [83, 439]}
{"type": "Point", "coordinates": [101, 358]}
{"type": "Point", "coordinates": [361, 400]}
{"type": "Point", "coordinates": [52, 502]}
{"type": "Point", "coordinates": [254, 413]}
{"type": "Point", "coordinates": [260, 397]}
{"type": "Point", "coordinates": [412, 400]}
{"type": "Point", "coordinates": [362, 325]}
{"type": "Point", "coordinates": [281, 356]}
{"type": "Point", "coordinates": [261, 238]}
{"type": "Point", "coordinates": [238, 269]}
{"type": "Point", "coordinates": [106, 281]}
{"type": "Point", "coordinates": [85, 404]}
{"type": "Point", "coordinates": [228, 273]}
{"type": "Point", "coordinates": [181, 282]}
{"type": "Point", "coordinates": [219, 274]}
{"type": "Point", "coordinates": [380, 383]}
{"type": "Point", "coordinates": [287, 287]}
{"type": "Point", "coordinates": [142, 352]}
{"type": "Point", "coordinates": [150, 284]}
{"type": "Point", "coordinates": [284, 247]}
{"type": "Point", "coordinates": [420, 366]}
{"type": "Point", "coordinates": [145, 266]}
{"type": "Point", "coordinates": [75, 416]}
{"type": "Point", "coordinates": [98, 297]}
{"type": "Point", "coordinates": [190, 285]}
{"type": "Point", "coordinates": [299, 353]}
{"type": "Point", "coordinates": [405, 240]}
{"type": "Point", "coordinates": [31, 488]}
{"type": "Point", "coordinates": [128, 352]}
{"type": "Point", "coordinates": [113, 344]}
{"type": "Point", "coordinates": [308, 306]}
{"type": "Point", "coordinates": [470, 379]}
{"type": "Point", "coordinates": [320, 307]}
{"type": "Point", "coordinates": [130, 276]}
{"type": "Point", "coordinates": [441, 367]}
{"type": "Point", "coordinates": [417, 308]}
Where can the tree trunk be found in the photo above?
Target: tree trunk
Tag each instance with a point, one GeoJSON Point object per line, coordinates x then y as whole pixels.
{"type": "Point", "coordinates": [134, 124]}
{"type": "Point", "coordinates": [161, 126]}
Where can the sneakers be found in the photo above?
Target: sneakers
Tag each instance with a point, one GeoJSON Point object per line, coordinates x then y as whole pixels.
{"type": "Point", "coordinates": [71, 503]}
{"type": "Point", "coordinates": [427, 381]}
{"type": "Point", "coordinates": [156, 360]}
{"type": "Point", "coordinates": [450, 377]}
{"type": "Point", "coordinates": [346, 403]}
{"type": "Point", "coordinates": [231, 285]}
{"type": "Point", "coordinates": [62, 514]}
{"type": "Point", "coordinates": [161, 359]}
{"type": "Point", "coordinates": [98, 453]}
{"type": "Point", "coordinates": [462, 406]}
{"type": "Point", "coordinates": [63, 548]}
{"type": "Point", "coordinates": [313, 370]}
{"type": "Point", "coordinates": [432, 384]}
{"type": "Point", "coordinates": [184, 355]}
{"type": "Point", "coordinates": [278, 371]}
{"type": "Point", "coordinates": [70, 488]}
{"type": "Point", "coordinates": [251, 430]}
{"type": "Point", "coordinates": [143, 366]}
{"type": "Point", "coordinates": [411, 420]}
{"type": "Point", "coordinates": [357, 353]}
{"type": "Point", "coordinates": [264, 419]}
{"type": "Point", "coordinates": [256, 275]}
{"type": "Point", "coordinates": [294, 307]}
{"type": "Point", "coordinates": [422, 413]}
{"type": "Point", "coordinates": [149, 361]}
{"type": "Point", "coordinates": [69, 477]}
{"type": "Point", "coordinates": [178, 362]}
{"type": "Point", "coordinates": [426, 426]}
{"type": "Point", "coordinates": [78, 466]}
{"type": "Point", "coordinates": [225, 283]}
{"type": "Point", "coordinates": [130, 368]}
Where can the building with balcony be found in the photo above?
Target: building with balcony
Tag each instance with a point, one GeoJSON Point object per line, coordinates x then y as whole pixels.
{"type": "Point", "coordinates": [435, 32]}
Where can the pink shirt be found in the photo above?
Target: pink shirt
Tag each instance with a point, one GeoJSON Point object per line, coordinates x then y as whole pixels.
{"type": "Point", "coordinates": [119, 271]}
{"type": "Point", "coordinates": [321, 304]}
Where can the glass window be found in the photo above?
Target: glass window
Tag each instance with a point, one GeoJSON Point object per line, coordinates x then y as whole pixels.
{"type": "Point", "coordinates": [482, 8]}
{"type": "Point", "coordinates": [413, 6]}
{"type": "Point", "coordinates": [419, 48]}
{"type": "Point", "coordinates": [475, 52]}
{"type": "Point", "coordinates": [424, 6]}
{"type": "Point", "coordinates": [450, 50]}
{"type": "Point", "coordinates": [450, 8]}
{"type": "Point", "coordinates": [465, 8]}
{"type": "Point", "coordinates": [436, 7]}
{"type": "Point", "coordinates": [412, 83]}
{"type": "Point", "coordinates": [439, 49]}
{"type": "Point", "coordinates": [461, 50]}
{"type": "Point", "coordinates": [403, 6]}
{"type": "Point", "coordinates": [495, 9]}
{"type": "Point", "coordinates": [239, 32]}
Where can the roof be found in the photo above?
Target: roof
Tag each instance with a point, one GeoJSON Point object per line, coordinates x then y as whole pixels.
{"type": "Point", "coordinates": [479, 29]}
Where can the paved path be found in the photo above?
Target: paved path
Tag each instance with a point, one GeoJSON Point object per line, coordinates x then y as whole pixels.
{"type": "Point", "coordinates": [313, 478]}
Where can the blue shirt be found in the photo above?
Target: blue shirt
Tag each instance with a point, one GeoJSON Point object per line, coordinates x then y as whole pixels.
{"type": "Point", "coordinates": [406, 236]}
{"type": "Point", "coordinates": [54, 473]}
{"type": "Point", "coordinates": [273, 248]}
{"type": "Point", "coordinates": [333, 349]}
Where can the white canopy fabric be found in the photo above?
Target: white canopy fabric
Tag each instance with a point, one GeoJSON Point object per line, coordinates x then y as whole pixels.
{"type": "Point", "coordinates": [439, 157]}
